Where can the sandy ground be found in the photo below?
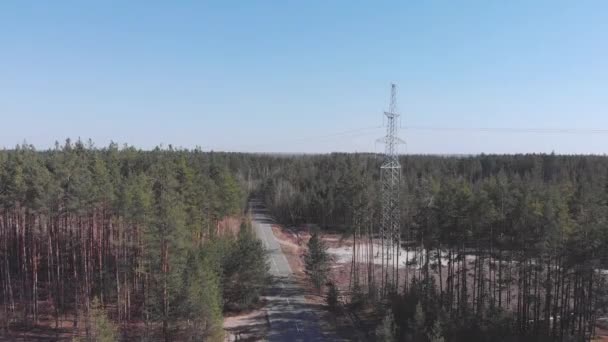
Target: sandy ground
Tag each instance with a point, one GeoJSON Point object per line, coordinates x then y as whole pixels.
{"type": "Point", "coordinates": [293, 243]}
{"type": "Point", "coordinates": [250, 326]}
{"type": "Point", "coordinates": [45, 330]}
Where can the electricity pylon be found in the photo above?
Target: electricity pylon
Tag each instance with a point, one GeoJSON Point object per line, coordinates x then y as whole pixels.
{"type": "Point", "coordinates": [390, 229]}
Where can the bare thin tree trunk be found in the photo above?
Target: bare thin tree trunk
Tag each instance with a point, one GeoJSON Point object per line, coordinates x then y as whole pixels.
{"type": "Point", "coordinates": [165, 269]}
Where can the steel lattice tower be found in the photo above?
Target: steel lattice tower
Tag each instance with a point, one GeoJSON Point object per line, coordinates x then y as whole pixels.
{"type": "Point", "coordinates": [390, 170]}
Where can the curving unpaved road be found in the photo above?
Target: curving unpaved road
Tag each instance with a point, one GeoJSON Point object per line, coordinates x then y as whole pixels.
{"type": "Point", "coordinates": [289, 316]}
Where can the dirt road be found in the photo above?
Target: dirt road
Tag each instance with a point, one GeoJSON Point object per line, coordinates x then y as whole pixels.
{"type": "Point", "coordinates": [289, 316]}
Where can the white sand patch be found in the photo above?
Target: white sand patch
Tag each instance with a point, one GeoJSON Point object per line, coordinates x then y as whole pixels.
{"type": "Point", "coordinates": [344, 254]}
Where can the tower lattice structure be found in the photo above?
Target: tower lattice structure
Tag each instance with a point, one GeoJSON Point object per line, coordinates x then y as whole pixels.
{"type": "Point", "coordinates": [390, 228]}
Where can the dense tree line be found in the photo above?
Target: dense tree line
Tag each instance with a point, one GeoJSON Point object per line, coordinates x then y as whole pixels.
{"type": "Point", "coordinates": [501, 246]}
{"type": "Point", "coordinates": [505, 247]}
{"type": "Point", "coordinates": [140, 231]}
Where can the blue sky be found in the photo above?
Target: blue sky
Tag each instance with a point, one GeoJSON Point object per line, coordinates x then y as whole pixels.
{"type": "Point", "coordinates": [287, 76]}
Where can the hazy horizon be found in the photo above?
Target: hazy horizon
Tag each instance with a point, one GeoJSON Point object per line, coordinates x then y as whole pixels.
{"type": "Point", "coordinates": [162, 146]}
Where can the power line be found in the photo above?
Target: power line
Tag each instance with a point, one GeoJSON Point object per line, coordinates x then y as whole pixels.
{"type": "Point", "coordinates": [363, 131]}
{"type": "Point", "coordinates": [353, 133]}
{"type": "Point", "coordinates": [532, 130]}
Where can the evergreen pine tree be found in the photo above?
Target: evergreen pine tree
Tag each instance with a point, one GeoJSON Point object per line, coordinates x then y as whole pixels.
{"type": "Point", "coordinates": [387, 330]}
{"type": "Point", "coordinates": [317, 261]}
{"type": "Point", "coordinates": [103, 329]}
{"type": "Point", "coordinates": [332, 296]}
